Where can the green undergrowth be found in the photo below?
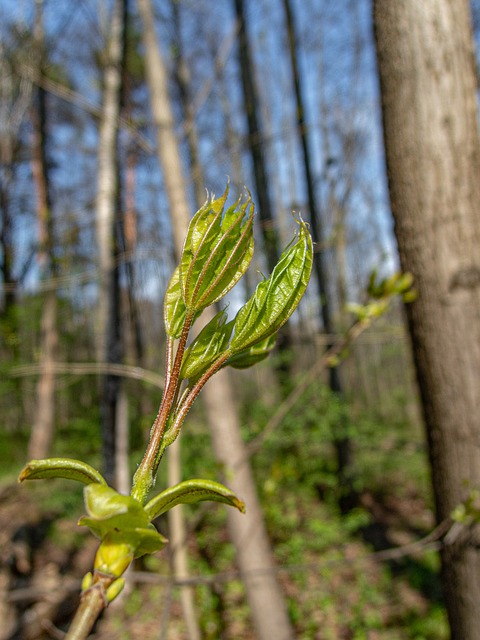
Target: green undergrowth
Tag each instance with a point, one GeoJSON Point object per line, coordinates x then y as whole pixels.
{"type": "Point", "coordinates": [334, 585]}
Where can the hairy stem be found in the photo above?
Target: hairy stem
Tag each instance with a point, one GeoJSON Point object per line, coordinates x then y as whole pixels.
{"type": "Point", "coordinates": [145, 474]}
{"type": "Point", "coordinates": [186, 404]}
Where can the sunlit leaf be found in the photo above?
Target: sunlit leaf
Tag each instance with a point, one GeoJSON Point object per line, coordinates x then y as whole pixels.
{"type": "Point", "coordinates": [61, 468]}
{"type": "Point", "coordinates": [174, 306]}
{"type": "Point", "coordinates": [217, 251]}
{"type": "Point", "coordinates": [254, 354]}
{"type": "Point", "coordinates": [206, 347]}
{"type": "Point", "coordinates": [108, 510]}
{"type": "Point", "coordinates": [192, 491]}
{"type": "Point", "coordinates": [276, 298]}
{"type": "Point", "coordinates": [141, 540]}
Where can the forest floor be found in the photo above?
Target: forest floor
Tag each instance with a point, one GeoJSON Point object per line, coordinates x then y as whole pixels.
{"type": "Point", "coordinates": [336, 589]}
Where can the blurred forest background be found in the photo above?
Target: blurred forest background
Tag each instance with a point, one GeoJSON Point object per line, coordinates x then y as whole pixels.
{"type": "Point", "coordinates": [115, 118]}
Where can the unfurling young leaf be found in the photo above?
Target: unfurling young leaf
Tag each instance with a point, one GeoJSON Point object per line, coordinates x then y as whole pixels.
{"type": "Point", "coordinates": [117, 519]}
{"type": "Point", "coordinates": [276, 298]}
{"type": "Point", "coordinates": [61, 468]}
{"type": "Point", "coordinates": [254, 354]}
{"type": "Point", "coordinates": [207, 346]}
{"type": "Point", "coordinates": [189, 492]}
{"type": "Point", "coordinates": [217, 251]}
{"type": "Point", "coordinates": [174, 309]}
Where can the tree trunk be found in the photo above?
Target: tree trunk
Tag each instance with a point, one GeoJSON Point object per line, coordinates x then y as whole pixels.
{"type": "Point", "coordinates": [247, 531]}
{"type": "Point", "coordinates": [256, 147]}
{"type": "Point", "coordinates": [342, 444]}
{"type": "Point", "coordinates": [43, 424]}
{"type": "Point", "coordinates": [427, 78]}
{"type": "Point", "coordinates": [109, 348]}
{"type": "Point", "coordinates": [255, 143]}
{"type": "Point", "coordinates": [182, 76]}
{"type": "Point", "coordinates": [271, 621]}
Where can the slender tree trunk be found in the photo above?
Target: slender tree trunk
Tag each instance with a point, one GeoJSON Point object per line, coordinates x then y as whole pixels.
{"type": "Point", "coordinates": [429, 105]}
{"type": "Point", "coordinates": [247, 532]}
{"type": "Point", "coordinates": [255, 144]}
{"type": "Point", "coordinates": [109, 347]}
{"type": "Point", "coordinates": [257, 152]}
{"type": "Point", "coordinates": [182, 76]}
{"type": "Point", "coordinates": [271, 621]}
{"type": "Point", "coordinates": [13, 111]}
{"type": "Point", "coordinates": [6, 239]}
{"type": "Point", "coordinates": [43, 424]}
{"type": "Point", "coordinates": [342, 443]}
{"type": "Point", "coordinates": [129, 246]}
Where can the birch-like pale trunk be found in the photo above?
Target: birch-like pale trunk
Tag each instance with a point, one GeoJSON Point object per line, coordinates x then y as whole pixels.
{"type": "Point", "coordinates": [43, 424]}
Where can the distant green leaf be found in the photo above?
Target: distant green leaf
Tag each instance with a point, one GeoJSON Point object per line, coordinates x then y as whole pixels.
{"type": "Point", "coordinates": [217, 251]}
{"type": "Point", "coordinates": [206, 347]}
{"type": "Point", "coordinates": [276, 298]}
{"type": "Point", "coordinates": [192, 491]}
{"type": "Point", "coordinates": [410, 296]}
{"type": "Point", "coordinates": [61, 468]}
{"type": "Point", "coordinates": [254, 354]}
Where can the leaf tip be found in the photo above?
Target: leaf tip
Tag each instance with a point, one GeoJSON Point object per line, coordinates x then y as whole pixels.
{"type": "Point", "coordinates": [23, 474]}
{"type": "Point", "coordinates": [239, 504]}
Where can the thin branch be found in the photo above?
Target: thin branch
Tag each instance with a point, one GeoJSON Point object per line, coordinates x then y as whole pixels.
{"type": "Point", "coordinates": [94, 368]}
{"type": "Point", "coordinates": [77, 99]}
{"type": "Point", "coordinates": [92, 604]}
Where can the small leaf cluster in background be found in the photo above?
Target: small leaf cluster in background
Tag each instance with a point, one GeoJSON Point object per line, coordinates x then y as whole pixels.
{"type": "Point", "coordinates": [381, 293]}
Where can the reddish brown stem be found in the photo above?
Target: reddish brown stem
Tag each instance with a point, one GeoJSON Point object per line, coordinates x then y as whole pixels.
{"type": "Point", "coordinates": [145, 475]}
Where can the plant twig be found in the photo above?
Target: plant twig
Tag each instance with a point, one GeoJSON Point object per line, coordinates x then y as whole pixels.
{"type": "Point", "coordinates": [92, 604]}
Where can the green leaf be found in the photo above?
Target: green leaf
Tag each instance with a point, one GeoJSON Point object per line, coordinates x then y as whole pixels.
{"type": "Point", "coordinates": [206, 347]}
{"type": "Point", "coordinates": [191, 491]}
{"type": "Point", "coordinates": [108, 510]}
{"type": "Point", "coordinates": [147, 540]}
{"type": "Point", "coordinates": [217, 251]}
{"type": "Point", "coordinates": [276, 298]}
{"type": "Point", "coordinates": [254, 354]}
{"type": "Point", "coordinates": [142, 540]}
{"type": "Point", "coordinates": [174, 308]}
{"type": "Point", "coordinates": [61, 468]}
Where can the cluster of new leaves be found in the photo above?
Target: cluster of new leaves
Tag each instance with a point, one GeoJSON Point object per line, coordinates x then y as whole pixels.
{"type": "Point", "coordinates": [217, 252]}
{"type": "Point", "coordinates": [381, 293]}
{"type": "Point", "coordinates": [122, 524]}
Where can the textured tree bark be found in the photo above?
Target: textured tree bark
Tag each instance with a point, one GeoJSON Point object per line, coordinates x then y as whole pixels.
{"type": "Point", "coordinates": [263, 591]}
{"type": "Point", "coordinates": [427, 78]}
